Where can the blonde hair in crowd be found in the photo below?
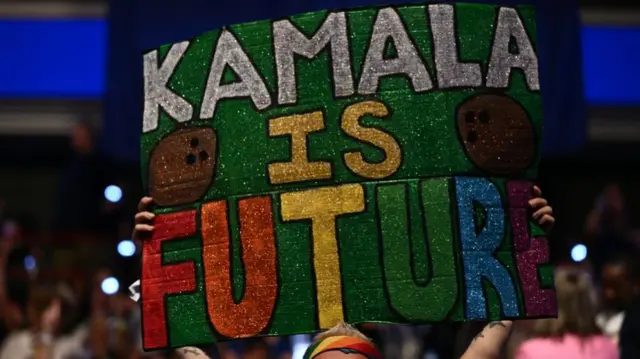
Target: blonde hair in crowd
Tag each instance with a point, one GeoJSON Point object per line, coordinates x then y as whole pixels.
{"type": "Point", "coordinates": [342, 329]}
{"type": "Point", "coordinates": [576, 307]}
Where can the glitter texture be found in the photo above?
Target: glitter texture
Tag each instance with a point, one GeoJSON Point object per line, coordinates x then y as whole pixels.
{"type": "Point", "coordinates": [503, 60]}
{"type": "Point", "coordinates": [477, 249]}
{"type": "Point", "coordinates": [351, 126]}
{"type": "Point", "coordinates": [160, 279]}
{"type": "Point", "coordinates": [297, 127]}
{"type": "Point", "coordinates": [451, 73]}
{"type": "Point", "coordinates": [252, 314]}
{"type": "Point", "coordinates": [405, 295]}
{"type": "Point", "coordinates": [530, 253]}
{"type": "Point", "coordinates": [156, 93]}
{"type": "Point", "coordinates": [229, 53]}
{"type": "Point", "coordinates": [497, 134]}
{"type": "Point", "coordinates": [181, 166]}
{"type": "Point", "coordinates": [349, 165]}
{"type": "Point", "coordinates": [289, 41]}
{"type": "Point", "coordinates": [322, 206]}
{"type": "Point", "coordinates": [389, 26]}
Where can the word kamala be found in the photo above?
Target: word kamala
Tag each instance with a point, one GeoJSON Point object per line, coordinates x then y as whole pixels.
{"type": "Point", "coordinates": [511, 48]}
{"type": "Point", "coordinates": [453, 228]}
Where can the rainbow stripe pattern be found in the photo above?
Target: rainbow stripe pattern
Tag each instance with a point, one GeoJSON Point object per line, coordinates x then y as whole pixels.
{"type": "Point", "coordinates": [349, 345]}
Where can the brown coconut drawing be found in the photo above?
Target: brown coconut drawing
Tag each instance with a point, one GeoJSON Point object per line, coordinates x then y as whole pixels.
{"type": "Point", "coordinates": [182, 165]}
{"type": "Point", "coordinates": [497, 134]}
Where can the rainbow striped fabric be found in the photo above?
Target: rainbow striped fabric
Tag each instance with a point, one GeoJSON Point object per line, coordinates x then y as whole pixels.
{"type": "Point", "coordinates": [349, 345]}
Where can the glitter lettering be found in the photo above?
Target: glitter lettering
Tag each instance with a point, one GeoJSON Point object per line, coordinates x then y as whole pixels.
{"type": "Point", "coordinates": [389, 26]}
{"type": "Point", "coordinates": [478, 249]}
{"type": "Point", "coordinates": [298, 127]}
{"type": "Point", "coordinates": [352, 127]}
{"type": "Point", "coordinates": [160, 279]}
{"type": "Point", "coordinates": [229, 53]}
{"type": "Point", "coordinates": [252, 314]}
{"type": "Point", "coordinates": [323, 206]}
{"type": "Point", "coordinates": [511, 29]}
{"type": "Point", "coordinates": [530, 252]}
{"type": "Point", "coordinates": [290, 41]}
{"type": "Point", "coordinates": [437, 230]}
{"type": "Point", "coordinates": [450, 71]}
{"type": "Point", "coordinates": [156, 92]}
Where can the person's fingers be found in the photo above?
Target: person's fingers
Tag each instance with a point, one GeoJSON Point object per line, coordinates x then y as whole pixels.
{"type": "Point", "coordinates": [143, 228]}
{"type": "Point", "coordinates": [536, 191]}
{"type": "Point", "coordinates": [144, 217]}
{"type": "Point", "coordinates": [144, 203]}
{"type": "Point", "coordinates": [538, 202]}
{"type": "Point", "coordinates": [547, 221]}
{"type": "Point", "coordinates": [544, 211]}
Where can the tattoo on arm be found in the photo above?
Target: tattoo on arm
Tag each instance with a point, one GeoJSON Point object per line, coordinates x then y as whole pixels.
{"type": "Point", "coordinates": [490, 325]}
{"type": "Point", "coordinates": [478, 336]}
{"type": "Point", "coordinates": [190, 351]}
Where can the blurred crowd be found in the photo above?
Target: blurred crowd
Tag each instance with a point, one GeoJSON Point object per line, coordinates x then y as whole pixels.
{"type": "Point", "coordinates": [53, 303]}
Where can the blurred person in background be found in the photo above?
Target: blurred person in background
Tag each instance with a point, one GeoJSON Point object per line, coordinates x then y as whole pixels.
{"type": "Point", "coordinates": [114, 325]}
{"type": "Point", "coordinates": [608, 229]}
{"type": "Point", "coordinates": [80, 198]}
{"type": "Point", "coordinates": [574, 334]}
{"type": "Point", "coordinates": [619, 288]}
{"type": "Point", "coordinates": [18, 267]}
{"type": "Point", "coordinates": [49, 332]}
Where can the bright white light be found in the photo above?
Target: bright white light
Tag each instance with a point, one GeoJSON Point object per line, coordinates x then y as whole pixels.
{"type": "Point", "coordinates": [110, 286]}
{"type": "Point", "coordinates": [579, 253]}
{"type": "Point", "coordinates": [30, 263]}
{"type": "Point", "coordinates": [126, 248]}
{"type": "Point", "coordinates": [113, 193]}
{"type": "Point", "coordinates": [299, 343]}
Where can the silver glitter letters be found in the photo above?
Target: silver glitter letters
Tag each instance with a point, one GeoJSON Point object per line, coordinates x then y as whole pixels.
{"type": "Point", "coordinates": [450, 72]}
{"type": "Point", "coordinates": [388, 24]}
{"type": "Point", "coordinates": [288, 41]}
{"type": "Point", "coordinates": [157, 94]}
{"type": "Point", "coordinates": [502, 61]}
{"type": "Point", "coordinates": [228, 52]}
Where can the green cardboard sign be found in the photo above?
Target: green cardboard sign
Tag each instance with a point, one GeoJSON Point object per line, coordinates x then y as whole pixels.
{"type": "Point", "coordinates": [369, 165]}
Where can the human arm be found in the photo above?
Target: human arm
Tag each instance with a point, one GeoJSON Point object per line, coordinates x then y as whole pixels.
{"type": "Point", "coordinates": [488, 344]}
{"type": "Point", "coordinates": [193, 353]}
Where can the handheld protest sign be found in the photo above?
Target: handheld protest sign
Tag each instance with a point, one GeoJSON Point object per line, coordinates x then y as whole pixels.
{"type": "Point", "coordinates": [369, 165]}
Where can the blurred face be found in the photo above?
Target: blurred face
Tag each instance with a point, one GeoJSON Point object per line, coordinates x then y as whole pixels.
{"type": "Point", "coordinates": [614, 199]}
{"type": "Point", "coordinates": [81, 140]}
{"type": "Point", "coordinates": [616, 286]}
{"type": "Point", "coordinates": [336, 354]}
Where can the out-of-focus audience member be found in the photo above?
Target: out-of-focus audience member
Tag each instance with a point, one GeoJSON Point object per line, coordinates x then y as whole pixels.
{"type": "Point", "coordinates": [629, 337]}
{"type": "Point", "coordinates": [49, 331]}
{"type": "Point", "coordinates": [619, 288]}
{"type": "Point", "coordinates": [608, 229]}
{"type": "Point", "coordinates": [80, 198]}
{"type": "Point", "coordinates": [113, 323]}
{"type": "Point", "coordinates": [574, 334]}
